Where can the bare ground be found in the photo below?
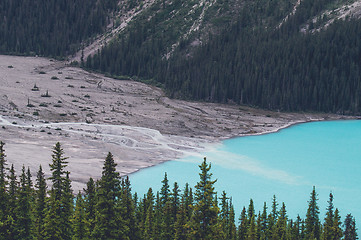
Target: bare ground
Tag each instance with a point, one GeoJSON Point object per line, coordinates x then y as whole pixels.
{"type": "Point", "coordinates": [92, 115]}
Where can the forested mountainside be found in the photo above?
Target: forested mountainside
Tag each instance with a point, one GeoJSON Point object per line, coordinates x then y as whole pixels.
{"type": "Point", "coordinates": [108, 209]}
{"type": "Point", "coordinates": [272, 54]}
{"type": "Point", "coordinates": [288, 55]}
{"type": "Point", "coordinates": [51, 28]}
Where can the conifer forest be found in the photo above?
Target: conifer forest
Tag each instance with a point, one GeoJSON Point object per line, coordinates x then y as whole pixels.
{"type": "Point", "coordinates": [108, 209]}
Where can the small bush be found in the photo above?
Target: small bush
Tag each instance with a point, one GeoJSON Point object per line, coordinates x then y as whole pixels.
{"type": "Point", "coordinates": [54, 78]}
{"type": "Point", "coordinates": [10, 66]}
{"type": "Point", "coordinates": [43, 105]}
{"type": "Point", "coordinates": [42, 72]}
{"type": "Point", "coordinates": [36, 113]}
{"type": "Point", "coordinates": [68, 77]}
{"type": "Point", "coordinates": [62, 114]}
{"type": "Point", "coordinates": [71, 86]}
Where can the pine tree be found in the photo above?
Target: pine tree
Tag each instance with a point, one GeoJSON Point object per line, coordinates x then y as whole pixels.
{"type": "Point", "coordinates": [350, 232]}
{"type": "Point", "coordinates": [165, 191]}
{"type": "Point", "coordinates": [312, 222]}
{"type": "Point", "coordinates": [23, 209]}
{"type": "Point", "coordinates": [67, 208]}
{"type": "Point", "coordinates": [148, 226]}
{"type": "Point", "coordinates": [263, 222]}
{"type": "Point", "coordinates": [11, 229]}
{"type": "Point", "coordinates": [78, 220]}
{"type": "Point", "coordinates": [327, 232]}
{"type": "Point", "coordinates": [89, 205]}
{"type": "Point", "coordinates": [204, 224]}
{"type": "Point", "coordinates": [272, 218]}
{"type": "Point", "coordinates": [337, 231]}
{"type": "Point", "coordinates": [108, 221]}
{"type": "Point", "coordinates": [281, 224]}
{"type": "Point", "coordinates": [58, 173]}
{"type": "Point", "coordinates": [40, 205]}
{"type": "Point", "coordinates": [60, 204]}
{"type": "Point", "coordinates": [3, 192]}
{"type": "Point", "coordinates": [243, 225]}
{"type": "Point", "coordinates": [129, 209]}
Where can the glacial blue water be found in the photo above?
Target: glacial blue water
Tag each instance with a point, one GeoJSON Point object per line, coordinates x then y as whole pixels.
{"type": "Point", "coordinates": [287, 164]}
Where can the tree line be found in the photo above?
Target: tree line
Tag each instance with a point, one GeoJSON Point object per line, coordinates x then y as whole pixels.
{"type": "Point", "coordinates": [107, 209]}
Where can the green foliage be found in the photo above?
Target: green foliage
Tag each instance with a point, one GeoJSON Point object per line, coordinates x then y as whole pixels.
{"type": "Point", "coordinates": [109, 210]}
{"type": "Point", "coordinates": [57, 28]}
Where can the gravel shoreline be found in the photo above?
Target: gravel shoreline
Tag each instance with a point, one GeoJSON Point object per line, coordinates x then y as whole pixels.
{"type": "Point", "coordinates": [43, 101]}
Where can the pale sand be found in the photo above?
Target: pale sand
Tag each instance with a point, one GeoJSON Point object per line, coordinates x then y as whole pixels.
{"type": "Point", "coordinates": [92, 115]}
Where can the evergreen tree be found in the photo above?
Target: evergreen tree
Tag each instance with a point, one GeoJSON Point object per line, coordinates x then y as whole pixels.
{"type": "Point", "coordinates": [67, 208]}
{"type": "Point", "coordinates": [350, 230]}
{"type": "Point", "coordinates": [243, 225]}
{"type": "Point", "coordinates": [312, 223]}
{"type": "Point", "coordinates": [57, 170]}
{"type": "Point", "coordinates": [108, 221]}
{"type": "Point", "coordinates": [337, 231]}
{"type": "Point", "coordinates": [78, 220]}
{"type": "Point", "coordinates": [281, 225]}
{"type": "Point", "coordinates": [60, 203]}
{"type": "Point", "coordinates": [89, 205]}
{"type": "Point", "coordinates": [204, 224]}
{"type": "Point", "coordinates": [328, 230]}
{"type": "Point", "coordinates": [40, 204]}
{"type": "Point", "coordinates": [129, 209]}
{"type": "Point", "coordinates": [23, 209]}
{"type": "Point", "coordinates": [12, 219]}
{"type": "Point", "coordinates": [3, 191]}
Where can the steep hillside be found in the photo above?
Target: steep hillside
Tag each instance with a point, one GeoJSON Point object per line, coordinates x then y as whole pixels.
{"type": "Point", "coordinates": [271, 54]}
{"type": "Point", "coordinates": [288, 55]}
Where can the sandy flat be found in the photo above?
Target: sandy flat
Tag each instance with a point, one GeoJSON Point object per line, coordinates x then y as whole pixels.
{"type": "Point", "coordinates": [43, 101]}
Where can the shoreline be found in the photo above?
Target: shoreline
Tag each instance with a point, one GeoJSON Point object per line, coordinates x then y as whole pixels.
{"type": "Point", "coordinates": [92, 115]}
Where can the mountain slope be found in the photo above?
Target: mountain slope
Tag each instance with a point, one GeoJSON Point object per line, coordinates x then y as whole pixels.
{"type": "Point", "coordinates": [288, 55]}
{"type": "Point", "coordinates": [269, 54]}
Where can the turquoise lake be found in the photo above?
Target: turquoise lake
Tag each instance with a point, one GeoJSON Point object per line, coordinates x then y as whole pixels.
{"type": "Point", "coordinates": [287, 164]}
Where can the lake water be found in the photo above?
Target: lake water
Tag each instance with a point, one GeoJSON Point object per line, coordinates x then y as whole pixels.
{"type": "Point", "coordinates": [287, 164]}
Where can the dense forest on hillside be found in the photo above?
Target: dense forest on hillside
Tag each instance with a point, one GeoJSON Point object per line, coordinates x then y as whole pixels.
{"type": "Point", "coordinates": [252, 61]}
{"type": "Point", "coordinates": [50, 28]}
{"type": "Point", "coordinates": [258, 53]}
{"type": "Point", "coordinates": [107, 209]}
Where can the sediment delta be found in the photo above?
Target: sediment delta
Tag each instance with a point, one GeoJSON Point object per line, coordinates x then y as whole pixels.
{"type": "Point", "coordinates": [44, 101]}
